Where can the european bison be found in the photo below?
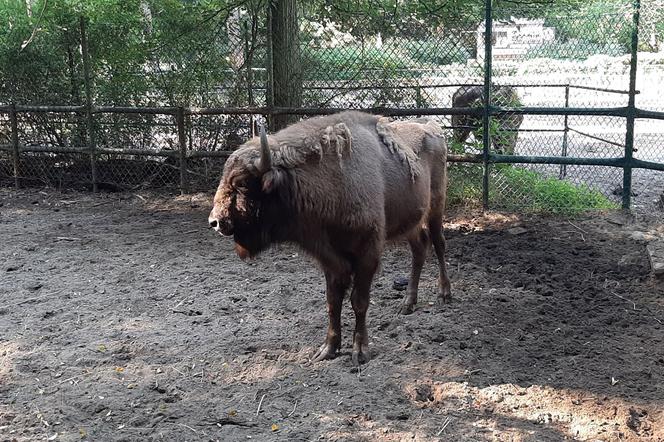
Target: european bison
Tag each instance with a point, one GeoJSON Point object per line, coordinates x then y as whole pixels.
{"type": "Point", "coordinates": [504, 139]}
{"type": "Point", "coordinates": [340, 186]}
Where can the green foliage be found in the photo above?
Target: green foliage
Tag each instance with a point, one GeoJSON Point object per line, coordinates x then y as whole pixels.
{"type": "Point", "coordinates": [350, 62]}
{"type": "Point", "coordinates": [436, 51]}
{"type": "Point", "coordinates": [465, 185]}
{"type": "Point", "coordinates": [392, 18]}
{"type": "Point", "coordinates": [516, 188]}
{"type": "Point", "coordinates": [522, 188]}
{"type": "Point", "coordinates": [397, 58]}
{"type": "Point", "coordinates": [575, 50]}
{"type": "Point", "coordinates": [141, 51]}
{"type": "Point", "coordinates": [605, 23]}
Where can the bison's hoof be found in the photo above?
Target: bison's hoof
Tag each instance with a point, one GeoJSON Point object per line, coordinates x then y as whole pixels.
{"type": "Point", "coordinates": [406, 309]}
{"type": "Point", "coordinates": [445, 295]}
{"type": "Point", "coordinates": [326, 351]}
{"type": "Point", "coordinates": [361, 355]}
{"type": "Point", "coordinates": [444, 299]}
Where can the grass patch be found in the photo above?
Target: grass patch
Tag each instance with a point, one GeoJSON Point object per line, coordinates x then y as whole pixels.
{"type": "Point", "coordinates": [515, 188]}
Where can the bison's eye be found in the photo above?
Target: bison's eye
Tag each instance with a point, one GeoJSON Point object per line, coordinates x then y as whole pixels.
{"type": "Point", "coordinates": [244, 186]}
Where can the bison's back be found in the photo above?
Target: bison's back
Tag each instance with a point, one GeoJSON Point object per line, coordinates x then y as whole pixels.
{"type": "Point", "coordinates": [381, 184]}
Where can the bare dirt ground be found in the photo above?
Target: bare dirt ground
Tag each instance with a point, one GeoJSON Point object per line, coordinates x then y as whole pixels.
{"type": "Point", "coordinates": [122, 318]}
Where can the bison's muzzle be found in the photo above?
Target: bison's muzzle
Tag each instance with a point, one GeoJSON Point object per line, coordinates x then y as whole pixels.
{"type": "Point", "coordinates": [223, 226]}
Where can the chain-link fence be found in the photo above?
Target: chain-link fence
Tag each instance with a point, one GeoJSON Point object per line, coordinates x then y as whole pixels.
{"type": "Point", "coordinates": [548, 116]}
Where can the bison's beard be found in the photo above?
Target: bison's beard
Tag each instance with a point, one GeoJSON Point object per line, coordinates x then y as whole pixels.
{"type": "Point", "coordinates": [249, 245]}
{"type": "Point", "coordinates": [242, 252]}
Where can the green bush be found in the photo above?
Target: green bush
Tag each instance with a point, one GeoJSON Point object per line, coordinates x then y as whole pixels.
{"type": "Point", "coordinates": [349, 62]}
{"type": "Point", "coordinates": [575, 50]}
{"type": "Point", "coordinates": [465, 185]}
{"type": "Point", "coordinates": [437, 52]}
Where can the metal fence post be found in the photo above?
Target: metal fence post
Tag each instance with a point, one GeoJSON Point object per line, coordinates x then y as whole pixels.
{"type": "Point", "coordinates": [182, 138]}
{"type": "Point", "coordinates": [419, 101]}
{"type": "Point", "coordinates": [631, 111]}
{"type": "Point", "coordinates": [486, 136]}
{"type": "Point", "coordinates": [563, 167]}
{"type": "Point", "coordinates": [89, 116]}
{"type": "Point", "coordinates": [13, 121]}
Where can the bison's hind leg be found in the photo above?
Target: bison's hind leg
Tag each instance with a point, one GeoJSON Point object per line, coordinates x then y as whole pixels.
{"type": "Point", "coordinates": [419, 246]}
{"type": "Point", "coordinates": [438, 240]}
{"type": "Point", "coordinates": [364, 268]}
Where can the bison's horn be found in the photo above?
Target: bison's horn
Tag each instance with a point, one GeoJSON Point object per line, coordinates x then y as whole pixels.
{"type": "Point", "coordinates": [266, 156]}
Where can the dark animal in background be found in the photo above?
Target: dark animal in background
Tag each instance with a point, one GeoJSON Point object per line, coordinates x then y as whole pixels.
{"type": "Point", "coordinates": [340, 186]}
{"type": "Point", "coordinates": [505, 136]}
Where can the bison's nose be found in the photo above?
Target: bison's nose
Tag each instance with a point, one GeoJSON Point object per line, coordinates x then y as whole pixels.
{"type": "Point", "coordinates": [221, 225]}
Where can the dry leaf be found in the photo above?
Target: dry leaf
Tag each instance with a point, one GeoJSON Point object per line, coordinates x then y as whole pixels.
{"type": "Point", "coordinates": [275, 427]}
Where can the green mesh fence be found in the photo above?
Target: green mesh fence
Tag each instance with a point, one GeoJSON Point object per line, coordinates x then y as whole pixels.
{"type": "Point", "coordinates": [229, 65]}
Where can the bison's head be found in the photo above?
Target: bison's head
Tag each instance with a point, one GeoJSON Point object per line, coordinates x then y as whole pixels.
{"type": "Point", "coordinates": [246, 205]}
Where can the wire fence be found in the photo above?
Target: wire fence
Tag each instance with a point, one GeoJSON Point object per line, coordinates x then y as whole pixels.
{"type": "Point", "coordinates": [540, 103]}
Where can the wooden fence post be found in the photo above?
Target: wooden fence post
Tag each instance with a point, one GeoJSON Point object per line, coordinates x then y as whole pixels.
{"type": "Point", "coordinates": [182, 138]}
{"type": "Point", "coordinates": [15, 152]}
{"type": "Point", "coordinates": [92, 146]}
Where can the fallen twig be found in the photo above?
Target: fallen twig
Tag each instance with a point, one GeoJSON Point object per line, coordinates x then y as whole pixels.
{"type": "Point", "coordinates": [581, 231]}
{"type": "Point", "coordinates": [66, 238]}
{"type": "Point", "coordinates": [447, 422]}
{"type": "Point", "coordinates": [69, 379]}
{"type": "Point", "coordinates": [293, 410]}
{"type": "Point", "coordinates": [102, 203]}
{"type": "Point", "coordinates": [625, 299]}
{"type": "Point", "coordinates": [258, 410]}
{"type": "Point", "coordinates": [229, 421]}
{"type": "Point", "coordinates": [187, 426]}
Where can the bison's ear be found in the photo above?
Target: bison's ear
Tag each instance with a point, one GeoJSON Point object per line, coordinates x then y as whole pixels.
{"type": "Point", "coordinates": [273, 179]}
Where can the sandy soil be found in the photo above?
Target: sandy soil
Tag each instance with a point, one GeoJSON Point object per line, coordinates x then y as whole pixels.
{"type": "Point", "coordinates": [123, 318]}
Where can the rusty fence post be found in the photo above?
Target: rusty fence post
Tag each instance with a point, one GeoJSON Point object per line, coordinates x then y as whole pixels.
{"type": "Point", "coordinates": [13, 120]}
{"type": "Point", "coordinates": [182, 139]}
{"type": "Point", "coordinates": [631, 110]}
{"type": "Point", "coordinates": [563, 167]}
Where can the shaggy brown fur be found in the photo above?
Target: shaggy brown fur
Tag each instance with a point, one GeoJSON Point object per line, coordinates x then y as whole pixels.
{"type": "Point", "coordinates": [340, 186]}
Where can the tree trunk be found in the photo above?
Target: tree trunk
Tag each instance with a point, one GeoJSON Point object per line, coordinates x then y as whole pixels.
{"type": "Point", "coordinates": [286, 73]}
{"type": "Point", "coordinates": [146, 12]}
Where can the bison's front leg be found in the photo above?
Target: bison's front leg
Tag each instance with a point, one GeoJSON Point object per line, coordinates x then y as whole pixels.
{"type": "Point", "coordinates": [336, 289]}
{"type": "Point", "coordinates": [359, 298]}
